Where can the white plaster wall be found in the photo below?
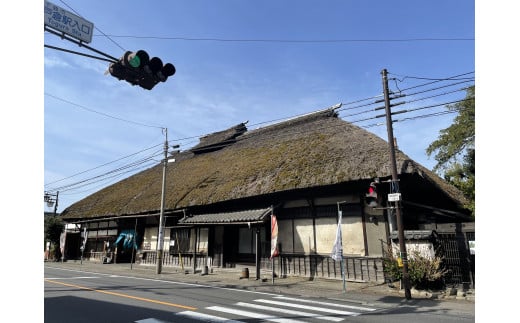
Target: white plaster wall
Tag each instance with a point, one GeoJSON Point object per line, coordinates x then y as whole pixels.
{"type": "Point", "coordinates": [353, 239]}
{"type": "Point", "coordinates": [303, 236]}
{"type": "Point", "coordinates": [325, 234]}
{"type": "Point", "coordinates": [150, 239]}
{"type": "Point", "coordinates": [285, 235]}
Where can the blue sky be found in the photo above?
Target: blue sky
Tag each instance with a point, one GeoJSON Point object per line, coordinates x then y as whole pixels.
{"type": "Point", "coordinates": [236, 61]}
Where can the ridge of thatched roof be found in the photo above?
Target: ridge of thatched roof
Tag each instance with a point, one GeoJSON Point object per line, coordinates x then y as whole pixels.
{"type": "Point", "coordinates": [220, 139]}
{"type": "Point", "coordinates": [314, 150]}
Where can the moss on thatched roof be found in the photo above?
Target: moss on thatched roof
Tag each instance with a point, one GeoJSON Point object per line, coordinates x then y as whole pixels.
{"type": "Point", "coordinates": [315, 150]}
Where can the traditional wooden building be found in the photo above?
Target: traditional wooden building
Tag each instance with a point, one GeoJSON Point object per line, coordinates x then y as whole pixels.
{"type": "Point", "coordinates": [220, 195]}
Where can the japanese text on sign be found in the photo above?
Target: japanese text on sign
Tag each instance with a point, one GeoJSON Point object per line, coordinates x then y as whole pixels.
{"type": "Point", "coordinates": [67, 22]}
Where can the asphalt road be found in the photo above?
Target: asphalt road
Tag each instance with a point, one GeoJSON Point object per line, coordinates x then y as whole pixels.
{"type": "Point", "coordinates": [76, 296]}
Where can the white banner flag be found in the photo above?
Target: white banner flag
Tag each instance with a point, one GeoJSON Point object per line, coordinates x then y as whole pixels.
{"type": "Point", "coordinates": [84, 234]}
{"type": "Point", "coordinates": [337, 249]}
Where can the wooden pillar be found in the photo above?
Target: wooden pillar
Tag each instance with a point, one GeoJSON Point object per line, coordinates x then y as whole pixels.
{"type": "Point", "coordinates": [258, 252]}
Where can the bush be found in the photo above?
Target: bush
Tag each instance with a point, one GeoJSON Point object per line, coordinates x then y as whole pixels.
{"type": "Point", "coordinates": [424, 273]}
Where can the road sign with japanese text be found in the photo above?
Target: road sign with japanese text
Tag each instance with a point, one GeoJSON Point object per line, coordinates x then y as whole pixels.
{"type": "Point", "coordinates": [68, 23]}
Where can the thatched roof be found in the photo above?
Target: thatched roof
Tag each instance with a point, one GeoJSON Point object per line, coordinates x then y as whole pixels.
{"type": "Point", "coordinates": [318, 149]}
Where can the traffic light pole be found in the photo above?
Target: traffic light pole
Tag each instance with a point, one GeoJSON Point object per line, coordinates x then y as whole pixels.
{"type": "Point", "coordinates": [160, 240]}
{"type": "Point", "coordinates": [400, 229]}
{"type": "Point", "coordinates": [80, 44]}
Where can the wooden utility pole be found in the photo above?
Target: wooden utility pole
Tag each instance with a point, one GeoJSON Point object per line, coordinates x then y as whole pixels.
{"type": "Point", "coordinates": [400, 228]}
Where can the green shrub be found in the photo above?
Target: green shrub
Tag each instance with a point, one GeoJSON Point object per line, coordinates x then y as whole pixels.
{"type": "Point", "coordinates": [424, 273]}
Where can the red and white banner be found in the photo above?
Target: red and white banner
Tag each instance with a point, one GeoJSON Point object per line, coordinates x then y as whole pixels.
{"type": "Point", "coordinates": [274, 237]}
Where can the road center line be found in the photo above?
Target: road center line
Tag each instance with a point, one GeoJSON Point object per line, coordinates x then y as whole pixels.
{"type": "Point", "coordinates": [123, 295]}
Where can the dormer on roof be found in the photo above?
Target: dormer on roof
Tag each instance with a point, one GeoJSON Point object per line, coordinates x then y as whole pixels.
{"type": "Point", "coordinates": [219, 140]}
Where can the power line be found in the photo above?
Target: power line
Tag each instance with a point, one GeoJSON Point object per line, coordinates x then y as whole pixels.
{"type": "Point", "coordinates": [137, 165]}
{"type": "Point", "coordinates": [111, 162]}
{"type": "Point", "coordinates": [98, 179]}
{"type": "Point", "coordinates": [454, 78]}
{"type": "Point", "coordinates": [95, 27]}
{"type": "Point", "coordinates": [451, 78]}
{"type": "Point", "coordinates": [103, 177]}
{"type": "Point", "coordinates": [103, 114]}
{"type": "Point", "coordinates": [127, 168]}
{"type": "Point", "coordinates": [305, 41]}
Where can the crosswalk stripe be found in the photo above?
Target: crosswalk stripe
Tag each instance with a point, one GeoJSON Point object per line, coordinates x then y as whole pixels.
{"type": "Point", "coordinates": [307, 307]}
{"type": "Point", "coordinates": [354, 307]}
{"type": "Point", "coordinates": [253, 315]}
{"type": "Point", "coordinates": [206, 317]}
{"type": "Point", "coordinates": [290, 312]}
{"type": "Point", "coordinates": [72, 278]}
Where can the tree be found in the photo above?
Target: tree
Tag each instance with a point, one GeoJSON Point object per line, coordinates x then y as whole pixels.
{"type": "Point", "coordinates": [53, 227]}
{"type": "Point", "coordinates": [454, 149]}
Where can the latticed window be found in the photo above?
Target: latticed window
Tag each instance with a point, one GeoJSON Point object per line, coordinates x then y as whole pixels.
{"type": "Point", "coordinates": [180, 241]}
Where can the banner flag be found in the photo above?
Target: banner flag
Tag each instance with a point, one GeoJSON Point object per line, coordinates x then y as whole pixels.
{"type": "Point", "coordinates": [84, 234]}
{"type": "Point", "coordinates": [63, 237]}
{"type": "Point", "coordinates": [337, 249]}
{"type": "Point", "coordinates": [274, 237]}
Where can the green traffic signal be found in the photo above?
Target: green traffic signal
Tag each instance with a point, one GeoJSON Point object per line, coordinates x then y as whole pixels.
{"type": "Point", "coordinates": [134, 61]}
{"type": "Point", "coordinates": [138, 69]}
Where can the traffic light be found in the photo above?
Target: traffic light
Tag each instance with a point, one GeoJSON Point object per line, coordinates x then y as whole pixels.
{"type": "Point", "coordinates": [371, 197]}
{"type": "Point", "coordinates": [138, 69]}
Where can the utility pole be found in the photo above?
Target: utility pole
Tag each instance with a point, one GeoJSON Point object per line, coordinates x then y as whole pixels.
{"type": "Point", "coordinates": [400, 229]}
{"type": "Point", "coordinates": [160, 241]}
{"type": "Point", "coordinates": [56, 204]}
{"type": "Point", "coordinates": [52, 199]}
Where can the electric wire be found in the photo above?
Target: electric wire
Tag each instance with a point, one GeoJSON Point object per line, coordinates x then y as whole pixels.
{"type": "Point", "coordinates": [114, 173]}
{"type": "Point", "coordinates": [436, 80]}
{"type": "Point", "coordinates": [95, 27]}
{"type": "Point", "coordinates": [103, 165]}
{"type": "Point", "coordinates": [99, 177]}
{"type": "Point", "coordinates": [102, 113]}
{"type": "Point", "coordinates": [304, 41]}
{"type": "Point", "coordinates": [356, 121]}
{"type": "Point", "coordinates": [107, 177]}
{"type": "Point", "coordinates": [126, 168]}
{"type": "Point", "coordinates": [409, 101]}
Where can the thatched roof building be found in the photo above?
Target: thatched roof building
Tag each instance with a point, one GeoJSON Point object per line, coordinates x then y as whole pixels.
{"type": "Point", "coordinates": [315, 151]}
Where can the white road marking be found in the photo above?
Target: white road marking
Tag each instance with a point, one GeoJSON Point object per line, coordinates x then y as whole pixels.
{"type": "Point", "coordinates": [312, 308]}
{"type": "Point", "coordinates": [150, 320]}
{"type": "Point", "coordinates": [169, 282]}
{"type": "Point", "coordinates": [290, 312]}
{"type": "Point", "coordinates": [253, 315]}
{"type": "Point", "coordinates": [66, 278]}
{"type": "Point", "coordinates": [206, 317]}
{"type": "Point", "coordinates": [354, 307]}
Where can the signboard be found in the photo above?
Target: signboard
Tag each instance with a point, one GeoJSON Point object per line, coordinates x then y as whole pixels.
{"type": "Point", "coordinates": [471, 247]}
{"type": "Point", "coordinates": [394, 197]}
{"type": "Point", "coordinates": [67, 22]}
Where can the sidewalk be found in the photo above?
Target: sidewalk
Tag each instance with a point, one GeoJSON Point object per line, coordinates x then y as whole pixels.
{"type": "Point", "coordinates": [300, 286]}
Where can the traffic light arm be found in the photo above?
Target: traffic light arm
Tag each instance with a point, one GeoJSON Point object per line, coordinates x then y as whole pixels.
{"type": "Point", "coordinates": [80, 44]}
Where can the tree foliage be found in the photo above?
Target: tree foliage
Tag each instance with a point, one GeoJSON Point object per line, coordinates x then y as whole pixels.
{"type": "Point", "coordinates": [53, 227]}
{"type": "Point", "coordinates": [454, 150]}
